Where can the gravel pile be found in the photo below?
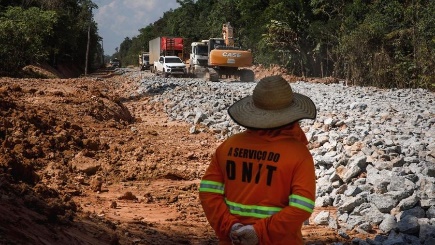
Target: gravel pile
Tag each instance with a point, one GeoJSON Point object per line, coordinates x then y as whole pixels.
{"type": "Point", "coordinates": [374, 150]}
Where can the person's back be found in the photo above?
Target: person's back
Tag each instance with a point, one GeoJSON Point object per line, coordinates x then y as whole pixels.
{"type": "Point", "coordinates": [260, 185]}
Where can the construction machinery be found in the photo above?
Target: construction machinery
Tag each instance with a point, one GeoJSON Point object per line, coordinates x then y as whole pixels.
{"type": "Point", "coordinates": [144, 61]}
{"type": "Point", "coordinates": [218, 57]}
{"type": "Point", "coordinates": [115, 63]}
{"type": "Point", "coordinates": [164, 46]}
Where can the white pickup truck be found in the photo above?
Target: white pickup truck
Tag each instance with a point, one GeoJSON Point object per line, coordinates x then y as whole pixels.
{"type": "Point", "coordinates": [170, 65]}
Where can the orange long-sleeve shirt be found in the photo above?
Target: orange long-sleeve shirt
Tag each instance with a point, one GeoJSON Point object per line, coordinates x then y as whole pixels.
{"type": "Point", "coordinates": [261, 177]}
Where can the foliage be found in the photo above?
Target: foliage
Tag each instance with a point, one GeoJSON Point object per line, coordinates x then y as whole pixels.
{"type": "Point", "coordinates": [379, 43]}
{"type": "Point", "coordinates": [54, 31]}
{"type": "Point", "coordinates": [22, 34]}
{"type": "Point", "coordinates": [369, 43]}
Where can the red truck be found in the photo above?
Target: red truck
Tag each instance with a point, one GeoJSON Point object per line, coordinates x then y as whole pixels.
{"type": "Point", "coordinates": [165, 46]}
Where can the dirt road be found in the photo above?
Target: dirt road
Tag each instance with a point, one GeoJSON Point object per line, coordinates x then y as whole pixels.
{"type": "Point", "coordinates": [82, 161]}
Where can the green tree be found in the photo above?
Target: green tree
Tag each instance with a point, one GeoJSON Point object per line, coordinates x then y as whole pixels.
{"type": "Point", "coordinates": [381, 43]}
{"type": "Point", "coordinates": [425, 44]}
{"type": "Point", "coordinates": [64, 32]}
{"type": "Point", "coordinates": [287, 36]}
{"type": "Point", "coordinates": [124, 50]}
{"type": "Point", "coordinates": [24, 34]}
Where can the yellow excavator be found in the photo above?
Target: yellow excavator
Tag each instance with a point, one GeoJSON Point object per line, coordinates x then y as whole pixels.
{"type": "Point", "coordinates": [218, 57]}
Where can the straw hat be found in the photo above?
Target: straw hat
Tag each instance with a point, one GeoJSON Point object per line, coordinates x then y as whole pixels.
{"type": "Point", "coordinates": [272, 104]}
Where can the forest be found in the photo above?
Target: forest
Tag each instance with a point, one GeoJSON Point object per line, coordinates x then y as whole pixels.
{"type": "Point", "coordinates": [56, 32]}
{"type": "Point", "coordinates": [389, 44]}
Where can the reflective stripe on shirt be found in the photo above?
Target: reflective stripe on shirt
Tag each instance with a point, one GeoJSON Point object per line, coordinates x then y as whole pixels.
{"type": "Point", "coordinates": [211, 186]}
{"type": "Point", "coordinates": [301, 202]}
{"type": "Point", "coordinates": [251, 210]}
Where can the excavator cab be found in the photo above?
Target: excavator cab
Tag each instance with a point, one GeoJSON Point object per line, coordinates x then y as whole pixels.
{"type": "Point", "coordinates": [222, 55]}
{"type": "Point", "coordinates": [216, 43]}
{"type": "Point", "coordinates": [224, 58]}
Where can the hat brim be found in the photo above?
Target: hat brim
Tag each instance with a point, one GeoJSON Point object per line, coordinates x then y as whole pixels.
{"type": "Point", "coordinates": [246, 114]}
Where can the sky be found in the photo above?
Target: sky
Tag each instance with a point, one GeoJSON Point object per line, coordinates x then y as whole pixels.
{"type": "Point", "coordinates": [118, 19]}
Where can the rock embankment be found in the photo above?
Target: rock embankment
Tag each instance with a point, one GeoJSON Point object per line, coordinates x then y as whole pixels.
{"type": "Point", "coordinates": [374, 150]}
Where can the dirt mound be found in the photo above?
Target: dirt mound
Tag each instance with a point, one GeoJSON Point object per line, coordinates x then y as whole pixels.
{"type": "Point", "coordinates": [43, 125]}
{"type": "Point", "coordinates": [69, 70]}
{"type": "Point", "coordinates": [43, 119]}
{"type": "Point", "coordinates": [262, 71]}
{"type": "Point", "coordinates": [40, 71]}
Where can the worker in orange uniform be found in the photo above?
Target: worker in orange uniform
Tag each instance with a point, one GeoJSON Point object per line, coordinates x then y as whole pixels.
{"type": "Point", "coordinates": [260, 185]}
